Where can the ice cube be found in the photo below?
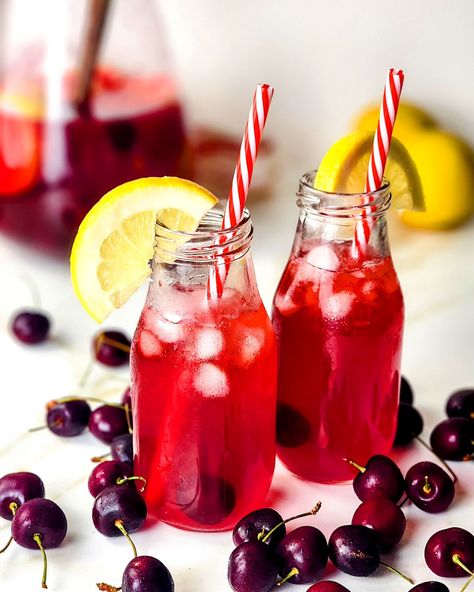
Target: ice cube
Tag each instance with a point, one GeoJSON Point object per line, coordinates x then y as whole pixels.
{"type": "Point", "coordinates": [338, 304]}
{"type": "Point", "coordinates": [209, 343]}
{"type": "Point", "coordinates": [150, 346]}
{"type": "Point", "coordinates": [252, 342]}
{"type": "Point", "coordinates": [210, 381]}
{"type": "Point", "coordinates": [165, 330]}
{"type": "Point", "coordinates": [323, 257]}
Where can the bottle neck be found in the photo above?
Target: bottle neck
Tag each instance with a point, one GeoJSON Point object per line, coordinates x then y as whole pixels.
{"type": "Point", "coordinates": [335, 220]}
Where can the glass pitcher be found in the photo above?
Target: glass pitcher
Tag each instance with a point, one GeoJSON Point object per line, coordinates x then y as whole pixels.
{"type": "Point", "coordinates": [338, 317]}
{"type": "Point", "coordinates": [60, 152]}
{"type": "Point", "coordinates": [204, 382]}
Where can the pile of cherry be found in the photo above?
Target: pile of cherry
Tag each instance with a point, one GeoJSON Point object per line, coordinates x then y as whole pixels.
{"type": "Point", "coordinates": [265, 555]}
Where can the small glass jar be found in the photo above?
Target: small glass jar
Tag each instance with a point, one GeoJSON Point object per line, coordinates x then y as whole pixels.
{"type": "Point", "coordinates": [204, 382]}
{"type": "Point", "coordinates": [338, 316]}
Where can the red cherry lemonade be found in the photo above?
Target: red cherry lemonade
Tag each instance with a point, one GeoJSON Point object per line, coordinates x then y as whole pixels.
{"type": "Point", "coordinates": [55, 163]}
{"type": "Point", "coordinates": [339, 325]}
{"type": "Point", "coordinates": [203, 388]}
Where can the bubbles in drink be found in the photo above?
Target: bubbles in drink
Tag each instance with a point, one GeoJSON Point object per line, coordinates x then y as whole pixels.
{"type": "Point", "coordinates": [211, 381]}
{"type": "Point", "coordinates": [209, 343]}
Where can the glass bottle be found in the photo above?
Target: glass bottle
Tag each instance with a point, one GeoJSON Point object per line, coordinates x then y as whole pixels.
{"type": "Point", "coordinates": [338, 316]}
{"type": "Point", "coordinates": [60, 152]}
{"type": "Point", "coordinates": [204, 382]}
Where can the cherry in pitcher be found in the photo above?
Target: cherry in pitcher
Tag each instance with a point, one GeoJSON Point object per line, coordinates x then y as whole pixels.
{"type": "Point", "coordinates": [338, 316]}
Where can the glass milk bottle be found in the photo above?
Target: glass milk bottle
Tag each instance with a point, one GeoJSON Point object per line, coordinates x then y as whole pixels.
{"type": "Point", "coordinates": [338, 316]}
{"type": "Point", "coordinates": [204, 382]}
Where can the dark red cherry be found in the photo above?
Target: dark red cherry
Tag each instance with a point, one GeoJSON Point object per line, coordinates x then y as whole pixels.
{"type": "Point", "coordinates": [430, 587]}
{"type": "Point", "coordinates": [127, 397]}
{"type": "Point", "coordinates": [252, 567]}
{"type": "Point", "coordinates": [385, 518]}
{"type": "Point", "coordinates": [409, 424]}
{"type": "Point", "coordinates": [16, 489]}
{"type": "Point", "coordinates": [111, 348]}
{"type": "Point", "coordinates": [447, 549]}
{"type": "Point", "coordinates": [107, 422]}
{"type": "Point", "coordinates": [118, 505]}
{"type": "Point", "coordinates": [293, 429]}
{"type": "Point", "coordinates": [106, 474]}
{"type": "Point", "coordinates": [39, 524]}
{"type": "Point", "coordinates": [327, 586]}
{"type": "Point", "coordinates": [68, 419]}
{"type": "Point", "coordinates": [355, 550]}
{"type": "Point", "coordinates": [406, 392]}
{"type": "Point", "coordinates": [379, 478]}
{"type": "Point", "coordinates": [453, 439]}
{"type": "Point", "coordinates": [30, 327]}
{"type": "Point", "coordinates": [39, 516]}
{"type": "Point", "coordinates": [302, 555]}
{"type": "Point", "coordinates": [461, 404]}
{"type": "Point", "coordinates": [212, 500]}
{"type": "Point", "coordinates": [429, 487]}
{"type": "Point", "coordinates": [250, 527]}
{"type": "Point", "coordinates": [146, 574]}
{"type": "Point", "coordinates": [121, 448]}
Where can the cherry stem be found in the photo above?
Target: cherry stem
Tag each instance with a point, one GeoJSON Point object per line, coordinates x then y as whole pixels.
{"type": "Point", "coordinates": [108, 587]}
{"type": "Point", "coordinates": [467, 584]}
{"type": "Point", "coordinates": [37, 429]}
{"type": "Point", "coordinates": [13, 507]}
{"type": "Point", "coordinates": [87, 372]}
{"type": "Point", "coordinates": [33, 288]}
{"type": "Point", "coordinates": [294, 572]}
{"type": "Point", "coordinates": [445, 464]}
{"type": "Point", "coordinates": [121, 527]}
{"type": "Point", "coordinates": [427, 486]}
{"type": "Point", "coordinates": [264, 537]}
{"type": "Point", "coordinates": [457, 560]}
{"type": "Point", "coordinates": [98, 459]}
{"type": "Point", "coordinates": [399, 573]}
{"type": "Point", "coordinates": [122, 480]}
{"type": "Point", "coordinates": [129, 418]}
{"type": "Point", "coordinates": [37, 539]}
{"type": "Point", "coordinates": [354, 464]}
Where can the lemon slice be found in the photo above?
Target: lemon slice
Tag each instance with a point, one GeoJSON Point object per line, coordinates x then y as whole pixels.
{"type": "Point", "coordinates": [344, 170]}
{"type": "Point", "coordinates": [111, 254]}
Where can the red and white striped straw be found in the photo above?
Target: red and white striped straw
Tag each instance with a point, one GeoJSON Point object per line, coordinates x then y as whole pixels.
{"type": "Point", "coordinates": [380, 148]}
{"type": "Point", "coordinates": [242, 178]}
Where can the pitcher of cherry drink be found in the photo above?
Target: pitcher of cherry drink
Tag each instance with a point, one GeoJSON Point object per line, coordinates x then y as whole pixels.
{"type": "Point", "coordinates": [87, 101]}
{"type": "Point", "coordinates": [338, 316]}
{"type": "Point", "coordinates": [204, 381]}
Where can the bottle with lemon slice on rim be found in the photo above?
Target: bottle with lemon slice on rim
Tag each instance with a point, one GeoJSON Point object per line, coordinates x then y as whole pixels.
{"type": "Point", "coordinates": [338, 315]}
{"type": "Point", "coordinates": [203, 369]}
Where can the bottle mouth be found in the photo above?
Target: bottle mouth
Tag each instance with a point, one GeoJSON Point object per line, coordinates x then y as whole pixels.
{"type": "Point", "coordinates": [205, 244]}
{"type": "Point", "coordinates": [342, 205]}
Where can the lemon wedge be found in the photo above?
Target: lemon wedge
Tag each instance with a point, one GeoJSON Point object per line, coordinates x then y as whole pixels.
{"type": "Point", "coordinates": [344, 170]}
{"type": "Point", "coordinates": [111, 254]}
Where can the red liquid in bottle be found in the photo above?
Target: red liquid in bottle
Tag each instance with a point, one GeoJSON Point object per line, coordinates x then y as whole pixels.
{"type": "Point", "coordinates": [204, 407]}
{"type": "Point", "coordinates": [52, 170]}
{"type": "Point", "coordinates": [339, 325]}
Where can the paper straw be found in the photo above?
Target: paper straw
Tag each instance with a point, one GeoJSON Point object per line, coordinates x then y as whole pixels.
{"type": "Point", "coordinates": [380, 148]}
{"type": "Point", "coordinates": [242, 178]}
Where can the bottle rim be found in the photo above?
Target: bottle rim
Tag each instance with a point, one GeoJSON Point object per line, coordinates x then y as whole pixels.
{"type": "Point", "coordinates": [208, 243]}
{"type": "Point", "coordinates": [342, 205]}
